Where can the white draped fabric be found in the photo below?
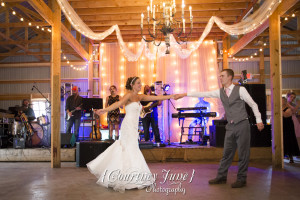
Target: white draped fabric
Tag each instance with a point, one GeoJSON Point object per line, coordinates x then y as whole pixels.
{"type": "Point", "coordinates": [247, 25]}
{"type": "Point", "coordinates": [199, 72]}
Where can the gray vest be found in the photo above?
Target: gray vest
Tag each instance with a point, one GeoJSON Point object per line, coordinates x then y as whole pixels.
{"type": "Point", "coordinates": [234, 107]}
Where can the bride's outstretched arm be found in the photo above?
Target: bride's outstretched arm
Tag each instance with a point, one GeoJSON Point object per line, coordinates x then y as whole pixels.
{"type": "Point", "coordinates": [144, 97]}
{"type": "Point", "coordinates": [114, 105]}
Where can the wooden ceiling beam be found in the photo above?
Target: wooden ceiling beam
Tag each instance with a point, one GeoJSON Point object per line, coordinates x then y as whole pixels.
{"type": "Point", "coordinates": [47, 14]}
{"type": "Point", "coordinates": [42, 9]}
{"type": "Point", "coordinates": [246, 39]}
{"type": "Point", "coordinates": [39, 64]}
{"type": "Point", "coordinates": [33, 53]}
{"type": "Point", "coordinates": [137, 27]}
{"type": "Point", "coordinates": [125, 17]}
{"type": "Point", "coordinates": [134, 12]}
{"type": "Point", "coordinates": [138, 21]}
{"type": "Point", "coordinates": [197, 4]}
{"type": "Point", "coordinates": [22, 24]}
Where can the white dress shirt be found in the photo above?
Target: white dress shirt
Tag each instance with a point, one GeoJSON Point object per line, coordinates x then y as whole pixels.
{"type": "Point", "coordinates": [244, 95]}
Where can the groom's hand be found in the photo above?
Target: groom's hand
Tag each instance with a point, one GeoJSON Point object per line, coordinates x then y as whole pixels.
{"type": "Point", "coordinates": [179, 96]}
{"type": "Point", "coordinates": [260, 126]}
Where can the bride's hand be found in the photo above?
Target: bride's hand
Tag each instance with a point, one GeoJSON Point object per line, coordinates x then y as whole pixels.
{"type": "Point", "coordinates": [100, 111]}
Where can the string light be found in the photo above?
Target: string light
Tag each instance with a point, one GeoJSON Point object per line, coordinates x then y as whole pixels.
{"type": "Point", "coordinates": [22, 19]}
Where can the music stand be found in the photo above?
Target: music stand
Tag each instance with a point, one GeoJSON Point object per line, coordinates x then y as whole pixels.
{"type": "Point", "coordinates": [88, 106]}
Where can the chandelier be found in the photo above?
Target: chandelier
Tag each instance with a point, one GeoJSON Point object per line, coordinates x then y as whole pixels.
{"type": "Point", "coordinates": [161, 22]}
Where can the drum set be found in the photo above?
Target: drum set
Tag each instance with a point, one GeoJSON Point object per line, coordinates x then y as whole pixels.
{"type": "Point", "coordinates": [34, 133]}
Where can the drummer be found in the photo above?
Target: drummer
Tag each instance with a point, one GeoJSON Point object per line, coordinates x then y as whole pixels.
{"type": "Point", "coordinates": [25, 108]}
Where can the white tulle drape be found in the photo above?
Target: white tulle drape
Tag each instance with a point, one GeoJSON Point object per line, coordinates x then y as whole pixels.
{"type": "Point", "coordinates": [247, 25]}
{"type": "Point", "coordinates": [199, 72]}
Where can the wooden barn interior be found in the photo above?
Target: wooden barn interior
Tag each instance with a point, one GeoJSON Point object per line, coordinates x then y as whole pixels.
{"type": "Point", "coordinates": [45, 53]}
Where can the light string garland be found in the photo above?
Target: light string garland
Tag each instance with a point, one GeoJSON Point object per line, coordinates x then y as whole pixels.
{"type": "Point", "coordinates": [247, 25]}
{"type": "Point", "coordinates": [256, 53]}
{"type": "Point", "coordinates": [78, 68]}
{"type": "Point", "coordinates": [43, 28]}
{"type": "Point", "coordinates": [22, 19]}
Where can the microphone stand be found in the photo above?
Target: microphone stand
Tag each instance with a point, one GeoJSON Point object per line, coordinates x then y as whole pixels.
{"type": "Point", "coordinates": [169, 101]}
{"type": "Point", "coordinates": [41, 94]}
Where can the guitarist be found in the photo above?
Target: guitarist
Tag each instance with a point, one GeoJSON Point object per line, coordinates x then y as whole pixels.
{"type": "Point", "coordinates": [73, 109]}
{"type": "Point", "coordinates": [151, 118]}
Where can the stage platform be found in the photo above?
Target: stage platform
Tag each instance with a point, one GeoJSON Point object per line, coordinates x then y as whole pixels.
{"type": "Point", "coordinates": [172, 153]}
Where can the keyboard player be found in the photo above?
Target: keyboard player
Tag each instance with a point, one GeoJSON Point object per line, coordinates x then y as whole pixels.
{"type": "Point", "coordinates": [201, 121]}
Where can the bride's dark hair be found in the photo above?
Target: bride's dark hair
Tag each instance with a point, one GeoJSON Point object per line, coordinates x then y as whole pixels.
{"type": "Point", "coordinates": [130, 81]}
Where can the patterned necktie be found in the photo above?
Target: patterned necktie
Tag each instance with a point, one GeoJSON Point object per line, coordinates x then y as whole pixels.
{"type": "Point", "coordinates": [227, 91]}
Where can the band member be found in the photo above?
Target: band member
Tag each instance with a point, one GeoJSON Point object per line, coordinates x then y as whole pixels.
{"type": "Point", "coordinates": [151, 118]}
{"type": "Point", "coordinates": [113, 117]}
{"type": "Point", "coordinates": [73, 109]}
{"type": "Point", "coordinates": [199, 121]}
{"type": "Point", "coordinates": [237, 129]}
{"type": "Point", "coordinates": [27, 110]}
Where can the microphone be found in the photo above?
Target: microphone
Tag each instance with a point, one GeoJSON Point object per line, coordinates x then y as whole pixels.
{"type": "Point", "coordinates": [32, 88]}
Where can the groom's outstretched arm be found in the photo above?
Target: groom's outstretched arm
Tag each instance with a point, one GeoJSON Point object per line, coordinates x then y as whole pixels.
{"type": "Point", "coordinates": [210, 94]}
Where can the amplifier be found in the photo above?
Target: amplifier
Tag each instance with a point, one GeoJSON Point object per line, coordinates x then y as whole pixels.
{"type": "Point", "coordinates": [19, 143]}
{"type": "Point", "coordinates": [65, 139]}
{"type": "Point", "coordinates": [87, 151]}
{"type": "Point", "coordinates": [146, 145]}
{"type": "Point", "coordinates": [219, 122]}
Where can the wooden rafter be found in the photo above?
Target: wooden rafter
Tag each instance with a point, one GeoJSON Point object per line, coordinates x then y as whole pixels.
{"type": "Point", "coordinates": [246, 39]}
{"type": "Point", "coordinates": [47, 14]}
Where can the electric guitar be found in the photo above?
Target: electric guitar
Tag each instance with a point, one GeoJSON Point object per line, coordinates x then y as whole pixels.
{"type": "Point", "coordinates": [146, 110]}
{"type": "Point", "coordinates": [68, 117]}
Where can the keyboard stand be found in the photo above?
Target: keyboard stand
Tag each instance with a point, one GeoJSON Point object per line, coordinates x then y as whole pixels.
{"type": "Point", "coordinates": [202, 130]}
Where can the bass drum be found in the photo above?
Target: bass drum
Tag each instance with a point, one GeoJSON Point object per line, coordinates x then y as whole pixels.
{"type": "Point", "coordinates": [38, 135]}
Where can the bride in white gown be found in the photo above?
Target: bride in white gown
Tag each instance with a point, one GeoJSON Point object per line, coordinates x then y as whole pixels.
{"type": "Point", "coordinates": [122, 166]}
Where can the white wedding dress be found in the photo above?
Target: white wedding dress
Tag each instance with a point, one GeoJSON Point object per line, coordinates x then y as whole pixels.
{"type": "Point", "coordinates": [122, 165]}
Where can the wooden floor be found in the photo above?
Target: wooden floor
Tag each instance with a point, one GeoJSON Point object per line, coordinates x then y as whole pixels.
{"type": "Point", "coordinates": [31, 181]}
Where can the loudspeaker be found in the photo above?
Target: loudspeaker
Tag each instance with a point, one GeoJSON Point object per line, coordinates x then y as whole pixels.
{"type": "Point", "coordinates": [258, 138]}
{"type": "Point", "coordinates": [217, 135]}
{"type": "Point", "coordinates": [3, 141]}
{"type": "Point", "coordinates": [86, 151]}
{"type": "Point", "coordinates": [258, 94]}
{"type": "Point", "coordinates": [65, 139]}
{"type": "Point", "coordinates": [261, 138]}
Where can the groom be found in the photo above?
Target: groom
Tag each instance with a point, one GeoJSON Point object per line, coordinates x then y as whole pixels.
{"type": "Point", "coordinates": [237, 129]}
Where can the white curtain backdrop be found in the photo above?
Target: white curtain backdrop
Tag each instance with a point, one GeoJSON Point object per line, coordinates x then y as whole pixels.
{"type": "Point", "coordinates": [199, 72]}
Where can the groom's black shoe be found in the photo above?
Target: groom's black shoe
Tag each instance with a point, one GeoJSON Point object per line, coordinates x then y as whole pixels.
{"type": "Point", "coordinates": [217, 181]}
{"type": "Point", "coordinates": [238, 184]}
